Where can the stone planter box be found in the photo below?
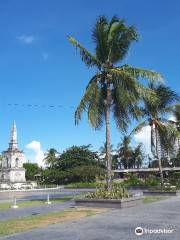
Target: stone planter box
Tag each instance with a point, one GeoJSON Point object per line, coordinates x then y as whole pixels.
{"type": "Point", "coordinates": [137, 188]}
{"type": "Point", "coordinates": [159, 193]}
{"type": "Point", "coordinates": [109, 203]}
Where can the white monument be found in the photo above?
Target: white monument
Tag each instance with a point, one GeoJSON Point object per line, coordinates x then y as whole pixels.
{"type": "Point", "coordinates": [12, 170]}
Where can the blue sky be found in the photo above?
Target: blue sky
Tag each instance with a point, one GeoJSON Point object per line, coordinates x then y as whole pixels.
{"type": "Point", "coordinates": [39, 66]}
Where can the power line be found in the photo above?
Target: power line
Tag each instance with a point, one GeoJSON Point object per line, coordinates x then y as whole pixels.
{"type": "Point", "coordinates": [39, 106]}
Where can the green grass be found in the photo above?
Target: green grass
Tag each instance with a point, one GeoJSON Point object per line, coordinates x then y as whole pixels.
{"type": "Point", "coordinates": [82, 185]}
{"type": "Point", "coordinates": [36, 221]}
{"type": "Point", "coordinates": [150, 199]}
{"type": "Point", "coordinates": [6, 205]}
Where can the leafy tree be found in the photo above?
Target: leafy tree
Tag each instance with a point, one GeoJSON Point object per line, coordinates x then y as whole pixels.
{"type": "Point", "coordinates": [77, 156]}
{"type": "Point", "coordinates": [31, 170]}
{"type": "Point", "coordinates": [87, 173]}
{"type": "Point", "coordinates": [77, 163]}
{"type": "Point", "coordinates": [56, 176]}
{"type": "Point", "coordinates": [113, 88]}
{"type": "Point", "coordinates": [162, 131]}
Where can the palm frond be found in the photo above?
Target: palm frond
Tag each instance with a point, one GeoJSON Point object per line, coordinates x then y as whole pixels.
{"type": "Point", "coordinates": [142, 73]}
{"type": "Point", "coordinates": [93, 103]}
{"type": "Point", "coordinates": [99, 35]}
{"type": "Point", "coordinates": [96, 109]}
{"type": "Point", "coordinates": [124, 107]}
{"type": "Point", "coordinates": [166, 95]}
{"type": "Point", "coordinates": [120, 38]}
{"type": "Point", "coordinates": [86, 99]}
{"type": "Point", "coordinates": [89, 59]}
{"type": "Point", "coordinates": [168, 134]}
{"type": "Point", "coordinates": [139, 127]}
{"type": "Point", "coordinates": [176, 112]}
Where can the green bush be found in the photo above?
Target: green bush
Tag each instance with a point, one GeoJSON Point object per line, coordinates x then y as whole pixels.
{"type": "Point", "coordinates": [151, 181]}
{"type": "Point", "coordinates": [133, 180]}
{"type": "Point", "coordinates": [174, 179]}
{"type": "Point", "coordinates": [117, 192]}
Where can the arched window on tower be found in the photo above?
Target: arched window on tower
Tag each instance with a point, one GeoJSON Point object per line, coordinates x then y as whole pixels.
{"type": "Point", "coordinates": [17, 162]}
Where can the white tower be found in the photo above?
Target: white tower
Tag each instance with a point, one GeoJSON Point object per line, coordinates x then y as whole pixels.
{"type": "Point", "coordinates": [12, 161]}
{"type": "Point", "coordinates": [13, 137]}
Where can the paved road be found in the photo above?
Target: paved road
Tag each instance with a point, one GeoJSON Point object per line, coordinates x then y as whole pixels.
{"type": "Point", "coordinates": [33, 210]}
{"type": "Point", "coordinates": [115, 224]}
{"type": "Point", "coordinates": [40, 194]}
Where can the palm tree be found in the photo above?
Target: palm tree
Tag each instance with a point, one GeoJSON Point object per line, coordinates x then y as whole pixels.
{"type": "Point", "coordinates": [176, 113]}
{"type": "Point", "coordinates": [125, 152]}
{"type": "Point", "coordinates": [137, 156]}
{"type": "Point", "coordinates": [51, 158]}
{"type": "Point", "coordinates": [162, 131]}
{"type": "Point", "coordinates": [113, 88]}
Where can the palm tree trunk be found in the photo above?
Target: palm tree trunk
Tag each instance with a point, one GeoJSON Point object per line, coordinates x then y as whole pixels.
{"type": "Point", "coordinates": [108, 145]}
{"type": "Point", "coordinates": [158, 157]}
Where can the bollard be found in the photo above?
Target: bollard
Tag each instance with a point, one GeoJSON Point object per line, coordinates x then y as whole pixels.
{"type": "Point", "coordinates": [14, 203]}
{"type": "Point", "coordinates": [48, 201]}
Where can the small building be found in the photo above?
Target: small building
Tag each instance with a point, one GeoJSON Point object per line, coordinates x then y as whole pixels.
{"type": "Point", "coordinates": [12, 170]}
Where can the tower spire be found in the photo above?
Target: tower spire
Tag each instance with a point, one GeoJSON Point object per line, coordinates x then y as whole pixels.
{"type": "Point", "coordinates": [13, 137]}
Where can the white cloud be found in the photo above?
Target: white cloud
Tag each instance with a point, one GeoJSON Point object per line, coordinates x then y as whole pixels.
{"type": "Point", "coordinates": [36, 154]}
{"type": "Point", "coordinates": [144, 136]}
{"type": "Point", "coordinates": [26, 39]}
{"type": "Point", "coordinates": [45, 56]}
{"type": "Point", "coordinates": [172, 118]}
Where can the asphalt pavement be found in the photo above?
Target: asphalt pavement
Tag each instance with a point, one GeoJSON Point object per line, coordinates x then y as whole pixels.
{"type": "Point", "coordinates": [159, 221]}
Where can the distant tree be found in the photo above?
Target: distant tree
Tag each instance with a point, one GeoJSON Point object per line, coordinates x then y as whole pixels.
{"type": "Point", "coordinates": [162, 132]}
{"type": "Point", "coordinates": [31, 170]}
{"type": "Point", "coordinates": [51, 158]}
{"type": "Point", "coordinates": [77, 156]}
{"type": "Point", "coordinates": [56, 176]}
{"type": "Point", "coordinates": [77, 163]}
{"type": "Point", "coordinates": [102, 150]}
{"type": "Point", "coordinates": [87, 173]}
{"type": "Point", "coordinates": [125, 152]}
{"type": "Point", "coordinates": [137, 156]}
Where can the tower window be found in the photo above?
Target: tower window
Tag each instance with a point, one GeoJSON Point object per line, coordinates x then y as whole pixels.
{"type": "Point", "coordinates": [17, 162]}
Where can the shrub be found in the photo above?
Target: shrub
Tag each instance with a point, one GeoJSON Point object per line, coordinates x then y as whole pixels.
{"type": "Point", "coordinates": [133, 180]}
{"type": "Point", "coordinates": [117, 192]}
{"type": "Point", "coordinates": [151, 181]}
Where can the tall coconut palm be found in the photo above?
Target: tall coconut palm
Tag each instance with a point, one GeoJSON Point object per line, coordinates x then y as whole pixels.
{"type": "Point", "coordinates": [113, 88]}
{"type": "Point", "coordinates": [162, 131]}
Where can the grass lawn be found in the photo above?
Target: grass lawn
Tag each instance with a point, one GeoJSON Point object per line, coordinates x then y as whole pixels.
{"type": "Point", "coordinates": [42, 220]}
{"type": "Point", "coordinates": [27, 203]}
{"type": "Point", "coordinates": [150, 199]}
